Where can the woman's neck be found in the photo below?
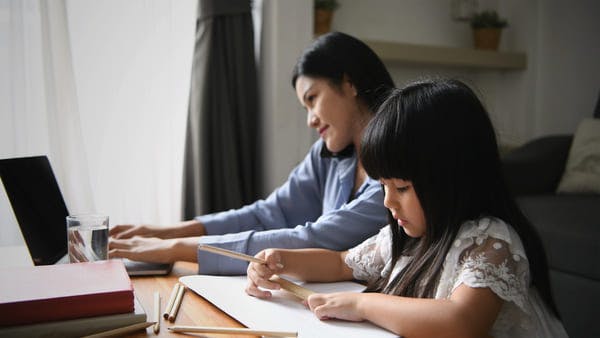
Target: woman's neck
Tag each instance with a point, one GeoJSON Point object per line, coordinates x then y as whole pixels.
{"type": "Point", "coordinates": [360, 176]}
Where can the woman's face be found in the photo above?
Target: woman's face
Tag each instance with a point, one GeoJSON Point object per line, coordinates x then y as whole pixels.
{"type": "Point", "coordinates": [335, 113]}
{"type": "Point", "coordinates": [401, 199]}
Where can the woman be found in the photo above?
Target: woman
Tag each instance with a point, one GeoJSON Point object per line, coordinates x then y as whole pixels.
{"type": "Point", "coordinates": [328, 200]}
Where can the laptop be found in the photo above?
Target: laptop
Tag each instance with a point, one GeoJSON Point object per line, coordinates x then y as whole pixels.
{"type": "Point", "coordinates": [41, 212]}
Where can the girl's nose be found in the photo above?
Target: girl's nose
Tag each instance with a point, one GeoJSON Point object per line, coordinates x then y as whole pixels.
{"type": "Point", "coordinates": [388, 200]}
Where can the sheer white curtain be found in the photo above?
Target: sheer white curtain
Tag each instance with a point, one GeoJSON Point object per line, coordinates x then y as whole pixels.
{"type": "Point", "coordinates": [132, 62]}
{"type": "Point", "coordinates": [101, 87]}
{"type": "Point", "coordinates": [39, 111]}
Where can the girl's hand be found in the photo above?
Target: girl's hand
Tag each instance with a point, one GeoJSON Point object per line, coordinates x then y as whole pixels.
{"type": "Point", "coordinates": [259, 274]}
{"type": "Point", "coordinates": [341, 305]}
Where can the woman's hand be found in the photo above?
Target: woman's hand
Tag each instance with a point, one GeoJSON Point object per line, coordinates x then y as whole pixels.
{"type": "Point", "coordinates": [123, 231]}
{"type": "Point", "coordinates": [341, 305]}
{"type": "Point", "coordinates": [76, 248]}
{"type": "Point", "coordinates": [152, 249]}
{"type": "Point", "coordinates": [183, 229]}
{"type": "Point", "coordinates": [259, 274]}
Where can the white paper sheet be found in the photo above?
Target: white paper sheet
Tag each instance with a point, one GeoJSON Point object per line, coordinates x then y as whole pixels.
{"type": "Point", "coordinates": [283, 312]}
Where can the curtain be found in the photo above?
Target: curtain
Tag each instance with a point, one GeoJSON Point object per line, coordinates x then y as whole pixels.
{"type": "Point", "coordinates": [38, 102]}
{"type": "Point", "coordinates": [221, 169]}
{"type": "Point", "coordinates": [102, 88]}
{"type": "Point", "coordinates": [133, 62]}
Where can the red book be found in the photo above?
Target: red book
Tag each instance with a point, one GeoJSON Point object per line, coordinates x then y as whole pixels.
{"type": "Point", "coordinates": [64, 291]}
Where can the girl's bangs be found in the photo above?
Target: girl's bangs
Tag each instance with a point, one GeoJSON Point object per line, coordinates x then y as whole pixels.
{"type": "Point", "coordinates": [385, 148]}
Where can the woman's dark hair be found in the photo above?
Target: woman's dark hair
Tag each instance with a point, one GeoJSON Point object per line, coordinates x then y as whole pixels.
{"type": "Point", "coordinates": [438, 135]}
{"type": "Point", "coordinates": [336, 54]}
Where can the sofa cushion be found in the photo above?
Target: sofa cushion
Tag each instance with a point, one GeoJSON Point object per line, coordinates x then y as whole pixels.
{"type": "Point", "coordinates": [537, 166]}
{"type": "Point", "coordinates": [577, 301]}
{"type": "Point", "coordinates": [569, 226]}
{"type": "Point", "coordinates": [582, 171]}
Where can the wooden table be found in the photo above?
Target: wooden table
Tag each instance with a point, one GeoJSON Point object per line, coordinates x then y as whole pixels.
{"type": "Point", "coordinates": [194, 309]}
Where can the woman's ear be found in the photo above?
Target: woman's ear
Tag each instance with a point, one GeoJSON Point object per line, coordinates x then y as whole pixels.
{"type": "Point", "coordinates": [354, 91]}
{"type": "Point", "coordinates": [348, 82]}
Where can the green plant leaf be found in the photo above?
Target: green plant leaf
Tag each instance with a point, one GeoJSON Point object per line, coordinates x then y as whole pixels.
{"type": "Point", "coordinates": [326, 4]}
{"type": "Point", "coordinates": [488, 19]}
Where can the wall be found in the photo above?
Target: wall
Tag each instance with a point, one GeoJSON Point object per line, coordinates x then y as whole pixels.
{"type": "Point", "coordinates": [559, 86]}
{"type": "Point", "coordinates": [568, 81]}
{"type": "Point", "coordinates": [286, 31]}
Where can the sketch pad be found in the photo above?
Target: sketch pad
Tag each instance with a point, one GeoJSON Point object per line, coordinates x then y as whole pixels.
{"type": "Point", "coordinates": [283, 312]}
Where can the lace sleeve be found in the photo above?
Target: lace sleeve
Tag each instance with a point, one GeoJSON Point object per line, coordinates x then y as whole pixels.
{"type": "Point", "coordinates": [489, 262]}
{"type": "Point", "coordinates": [370, 259]}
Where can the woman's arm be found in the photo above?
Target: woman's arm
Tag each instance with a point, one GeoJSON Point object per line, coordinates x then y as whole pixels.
{"type": "Point", "coordinates": [313, 265]}
{"type": "Point", "coordinates": [183, 229]}
{"type": "Point", "coordinates": [311, 210]}
{"type": "Point", "coordinates": [469, 312]}
{"type": "Point", "coordinates": [152, 249]}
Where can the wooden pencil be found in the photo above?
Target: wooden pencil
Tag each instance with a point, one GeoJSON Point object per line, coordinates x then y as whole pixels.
{"type": "Point", "coordinates": [293, 288]}
{"type": "Point", "coordinates": [227, 330]}
{"type": "Point", "coordinates": [121, 331]}
{"type": "Point", "coordinates": [229, 253]}
{"type": "Point", "coordinates": [156, 326]}
{"type": "Point", "coordinates": [177, 303]}
{"type": "Point", "coordinates": [171, 301]}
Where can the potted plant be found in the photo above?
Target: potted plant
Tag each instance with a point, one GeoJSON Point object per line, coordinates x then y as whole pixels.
{"type": "Point", "coordinates": [323, 15]}
{"type": "Point", "coordinates": [487, 28]}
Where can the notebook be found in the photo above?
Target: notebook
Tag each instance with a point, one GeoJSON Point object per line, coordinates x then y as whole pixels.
{"type": "Point", "coordinates": [77, 327]}
{"type": "Point", "coordinates": [48, 293]}
{"type": "Point", "coordinates": [41, 212]}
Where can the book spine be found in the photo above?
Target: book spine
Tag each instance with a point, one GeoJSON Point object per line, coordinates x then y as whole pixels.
{"type": "Point", "coordinates": [66, 308]}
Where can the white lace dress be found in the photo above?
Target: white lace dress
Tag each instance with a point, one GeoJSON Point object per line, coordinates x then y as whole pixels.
{"type": "Point", "coordinates": [486, 253]}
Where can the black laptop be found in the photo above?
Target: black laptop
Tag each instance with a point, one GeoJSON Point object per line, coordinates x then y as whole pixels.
{"type": "Point", "coordinates": [41, 212]}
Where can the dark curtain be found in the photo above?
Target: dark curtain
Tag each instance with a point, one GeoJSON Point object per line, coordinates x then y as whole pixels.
{"type": "Point", "coordinates": [597, 109]}
{"type": "Point", "coordinates": [221, 164]}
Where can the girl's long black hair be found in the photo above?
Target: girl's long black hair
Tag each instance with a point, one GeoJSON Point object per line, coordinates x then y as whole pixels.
{"type": "Point", "coordinates": [438, 135]}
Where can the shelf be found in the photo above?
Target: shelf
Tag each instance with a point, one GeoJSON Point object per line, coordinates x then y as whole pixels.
{"type": "Point", "coordinates": [411, 54]}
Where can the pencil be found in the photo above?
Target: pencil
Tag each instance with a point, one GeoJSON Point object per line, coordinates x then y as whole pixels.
{"type": "Point", "coordinates": [177, 303]}
{"type": "Point", "coordinates": [156, 327]}
{"type": "Point", "coordinates": [121, 331]}
{"type": "Point", "coordinates": [171, 301]}
{"type": "Point", "coordinates": [229, 253]}
{"type": "Point", "coordinates": [295, 289]}
{"type": "Point", "coordinates": [227, 330]}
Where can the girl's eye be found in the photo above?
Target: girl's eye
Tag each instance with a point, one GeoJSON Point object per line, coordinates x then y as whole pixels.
{"type": "Point", "coordinates": [310, 98]}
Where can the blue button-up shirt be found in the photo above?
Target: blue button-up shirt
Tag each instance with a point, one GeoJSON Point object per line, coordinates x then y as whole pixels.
{"type": "Point", "coordinates": [313, 208]}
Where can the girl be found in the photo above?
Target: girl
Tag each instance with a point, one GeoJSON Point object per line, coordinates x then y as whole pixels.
{"type": "Point", "coordinates": [458, 259]}
{"type": "Point", "coordinates": [328, 200]}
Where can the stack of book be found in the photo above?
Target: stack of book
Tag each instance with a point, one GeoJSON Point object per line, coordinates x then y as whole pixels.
{"type": "Point", "coordinates": [67, 299]}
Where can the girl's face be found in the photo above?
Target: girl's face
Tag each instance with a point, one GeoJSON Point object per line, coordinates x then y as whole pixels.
{"type": "Point", "coordinates": [401, 199]}
{"type": "Point", "coordinates": [335, 113]}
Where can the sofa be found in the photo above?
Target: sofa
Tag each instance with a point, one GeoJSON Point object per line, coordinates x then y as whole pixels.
{"type": "Point", "coordinates": [568, 224]}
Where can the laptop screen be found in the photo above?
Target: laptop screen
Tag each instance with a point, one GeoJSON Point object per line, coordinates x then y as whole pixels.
{"type": "Point", "coordinates": [38, 206]}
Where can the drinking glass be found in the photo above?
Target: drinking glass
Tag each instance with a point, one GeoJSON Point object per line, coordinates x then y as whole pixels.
{"type": "Point", "coordinates": [87, 236]}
